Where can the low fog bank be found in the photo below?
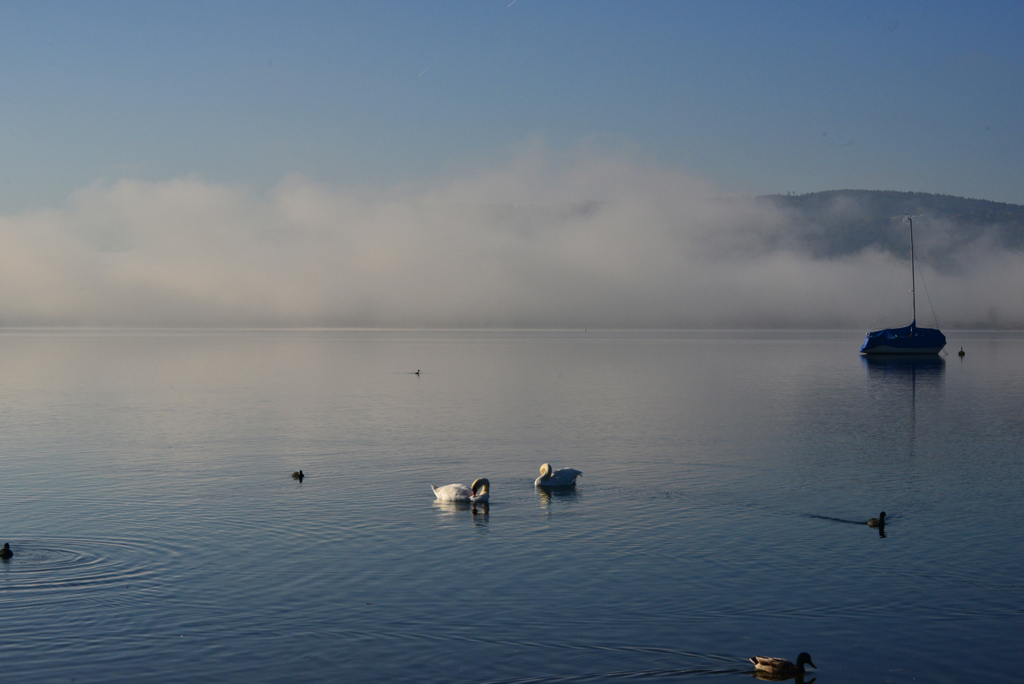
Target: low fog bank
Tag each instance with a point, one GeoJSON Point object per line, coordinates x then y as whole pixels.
{"type": "Point", "coordinates": [585, 241]}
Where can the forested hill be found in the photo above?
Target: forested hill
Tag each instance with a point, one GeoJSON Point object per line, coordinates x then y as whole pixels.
{"type": "Point", "coordinates": [837, 223]}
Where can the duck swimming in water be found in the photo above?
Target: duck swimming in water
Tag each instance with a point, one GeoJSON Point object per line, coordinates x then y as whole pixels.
{"type": "Point", "coordinates": [877, 522]}
{"type": "Point", "coordinates": [563, 477]}
{"type": "Point", "coordinates": [6, 553]}
{"type": "Point", "coordinates": [479, 492]}
{"type": "Point", "coordinates": [781, 666]}
{"type": "Point", "coordinates": [298, 475]}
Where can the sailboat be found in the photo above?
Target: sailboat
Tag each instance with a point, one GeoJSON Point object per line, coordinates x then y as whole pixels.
{"type": "Point", "coordinates": [911, 339]}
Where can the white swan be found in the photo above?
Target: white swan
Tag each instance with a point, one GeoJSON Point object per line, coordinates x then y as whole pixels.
{"type": "Point", "coordinates": [480, 491]}
{"type": "Point", "coordinates": [563, 477]}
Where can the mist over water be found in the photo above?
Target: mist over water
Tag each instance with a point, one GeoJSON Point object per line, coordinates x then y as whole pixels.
{"type": "Point", "coordinates": [582, 240]}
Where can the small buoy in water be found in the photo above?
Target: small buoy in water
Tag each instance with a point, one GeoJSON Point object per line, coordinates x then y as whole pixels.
{"type": "Point", "coordinates": [6, 553]}
{"type": "Point", "coordinates": [298, 475]}
{"type": "Point", "coordinates": [961, 352]}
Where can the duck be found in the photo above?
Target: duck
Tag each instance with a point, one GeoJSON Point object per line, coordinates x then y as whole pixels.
{"type": "Point", "coordinates": [563, 477]}
{"type": "Point", "coordinates": [478, 492]}
{"type": "Point", "coordinates": [961, 352]}
{"type": "Point", "coordinates": [877, 522]}
{"type": "Point", "coordinates": [298, 475]}
{"type": "Point", "coordinates": [6, 553]}
{"type": "Point", "coordinates": [781, 666]}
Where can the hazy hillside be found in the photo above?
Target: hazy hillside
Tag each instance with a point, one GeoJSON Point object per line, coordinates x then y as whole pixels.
{"type": "Point", "coordinates": [838, 223]}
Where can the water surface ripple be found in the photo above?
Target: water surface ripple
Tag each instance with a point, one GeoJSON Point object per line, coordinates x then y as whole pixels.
{"type": "Point", "coordinates": [728, 477]}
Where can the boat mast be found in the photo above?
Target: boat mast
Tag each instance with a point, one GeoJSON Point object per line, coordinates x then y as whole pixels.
{"type": "Point", "coordinates": [913, 294]}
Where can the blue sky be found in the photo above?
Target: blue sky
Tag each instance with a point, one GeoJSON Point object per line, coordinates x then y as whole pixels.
{"type": "Point", "coordinates": [485, 163]}
{"type": "Point", "coordinates": [755, 97]}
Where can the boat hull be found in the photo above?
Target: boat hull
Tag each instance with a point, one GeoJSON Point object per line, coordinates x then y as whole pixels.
{"type": "Point", "coordinates": [908, 340]}
{"type": "Point", "coordinates": [889, 351]}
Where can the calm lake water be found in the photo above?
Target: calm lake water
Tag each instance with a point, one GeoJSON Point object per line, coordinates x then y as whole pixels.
{"type": "Point", "coordinates": [159, 536]}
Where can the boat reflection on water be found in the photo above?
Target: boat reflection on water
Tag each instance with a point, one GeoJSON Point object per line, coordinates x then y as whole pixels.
{"type": "Point", "coordinates": [894, 381]}
{"type": "Point", "coordinates": [904, 370]}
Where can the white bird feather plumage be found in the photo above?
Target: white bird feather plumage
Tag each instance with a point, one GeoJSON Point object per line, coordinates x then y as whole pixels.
{"type": "Point", "coordinates": [563, 477]}
{"type": "Point", "coordinates": [478, 492]}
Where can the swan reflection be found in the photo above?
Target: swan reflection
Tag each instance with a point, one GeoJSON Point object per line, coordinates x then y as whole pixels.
{"type": "Point", "coordinates": [564, 495]}
{"type": "Point", "coordinates": [480, 510]}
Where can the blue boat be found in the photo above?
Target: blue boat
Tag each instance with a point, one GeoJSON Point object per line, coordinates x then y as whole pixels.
{"type": "Point", "coordinates": [908, 340]}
